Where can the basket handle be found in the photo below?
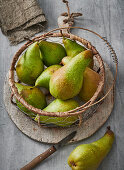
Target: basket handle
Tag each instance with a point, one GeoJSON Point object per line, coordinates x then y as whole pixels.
{"type": "Point", "coordinates": [66, 19]}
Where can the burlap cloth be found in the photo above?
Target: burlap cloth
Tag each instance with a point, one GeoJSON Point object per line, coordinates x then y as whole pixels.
{"type": "Point", "coordinates": [20, 19]}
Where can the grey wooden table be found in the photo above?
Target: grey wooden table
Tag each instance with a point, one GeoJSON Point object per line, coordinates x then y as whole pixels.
{"type": "Point", "coordinates": [107, 18]}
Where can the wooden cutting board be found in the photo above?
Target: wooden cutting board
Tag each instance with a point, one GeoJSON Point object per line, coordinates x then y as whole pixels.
{"type": "Point", "coordinates": [53, 135]}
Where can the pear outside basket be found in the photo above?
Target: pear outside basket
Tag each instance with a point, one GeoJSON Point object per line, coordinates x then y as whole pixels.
{"type": "Point", "coordinates": [85, 110]}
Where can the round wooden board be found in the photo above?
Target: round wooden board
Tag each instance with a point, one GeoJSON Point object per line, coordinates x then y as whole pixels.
{"type": "Point", "coordinates": [53, 135]}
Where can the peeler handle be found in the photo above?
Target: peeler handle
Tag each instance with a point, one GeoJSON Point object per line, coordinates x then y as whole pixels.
{"type": "Point", "coordinates": [39, 159]}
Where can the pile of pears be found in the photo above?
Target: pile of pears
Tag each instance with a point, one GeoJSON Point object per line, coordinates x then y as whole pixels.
{"type": "Point", "coordinates": [68, 73]}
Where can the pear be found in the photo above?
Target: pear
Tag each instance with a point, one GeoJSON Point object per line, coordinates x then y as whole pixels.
{"type": "Point", "coordinates": [90, 84]}
{"type": "Point", "coordinates": [59, 106]}
{"type": "Point", "coordinates": [89, 156]}
{"type": "Point", "coordinates": [90, 81]}
{"type": "Point", "coordinates": [67, 59]}
{"type": "Point", "coordinates": [67, 81]}
{"type": "Point", "coordinates": [33, 96]}
{"type": "Point", "coordinates": [30, 65]}
{"type": "Point", "coordinates": [44, 78]}
{"type": "Point", "coordinates": [72, 47]}
{"type": "Point", "coordinates": [52, 53]}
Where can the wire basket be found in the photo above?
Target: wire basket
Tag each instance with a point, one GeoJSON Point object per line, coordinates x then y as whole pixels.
{"type": "Point", "coordinates": [85, 110]}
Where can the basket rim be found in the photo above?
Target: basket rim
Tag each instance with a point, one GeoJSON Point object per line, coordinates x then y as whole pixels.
{"type": "Point", "coordinates": [79, 109]}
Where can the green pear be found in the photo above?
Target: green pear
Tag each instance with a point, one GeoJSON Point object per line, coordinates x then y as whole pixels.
{"type": "Point", "coordinates": [89, 156]}
{"type": "Point", "coordinates": [67, 59]}
{"type": "Point", "coordinates": [44, 78]}
{"type": "Point", "coordinates": [90, 84]}
{"type": "Point", "coordinates": [90, 81]}
{"type": "Point", "coordinates": [67, 81]}
{"type": "Point", "coordinates": [33, 96]}
{"type": "Point", "coordinates": [30, 65]}
{"type": "Point", "coordinates": [72, 47]}
{"type": "Point", "coordinates": [59, 106]}
{"type": "Point", "coordinates": [52, 53]}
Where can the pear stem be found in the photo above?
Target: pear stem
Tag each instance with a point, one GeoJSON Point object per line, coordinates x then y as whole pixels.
{"type": "Point", "coordinates": [108, 128]}
{"type": "Point", "coordinates": [109, 131]}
